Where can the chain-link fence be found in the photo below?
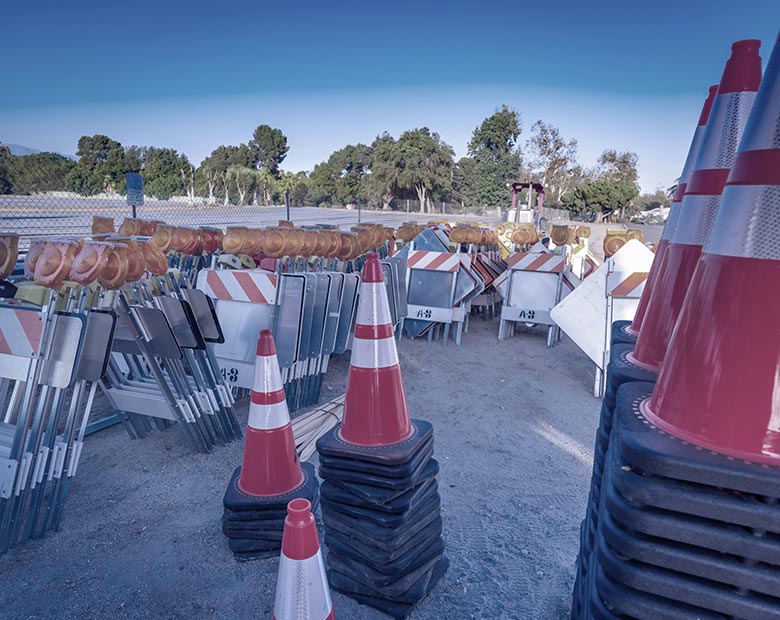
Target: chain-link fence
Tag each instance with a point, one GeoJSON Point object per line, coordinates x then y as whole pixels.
{"type": "Point", "coordinates": [35, 201]}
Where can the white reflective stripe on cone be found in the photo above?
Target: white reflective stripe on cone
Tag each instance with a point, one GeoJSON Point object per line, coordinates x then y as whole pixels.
{"type": "Point", "coordinates": [727, 121]}
{"type": "Point", "coordinates": [671, 221]}
{"type": "Point", "coordinates": [757, 236]}
{"type": "Point", "coordinates": [697, 214]}
{"type": "Point", "coordinates": [302, 590]}
{"type": "Point", "coordinates": [268, 417]}
{"type": "Point", "coordinates": [685, 176]}
{"type": "Point", "coordinates": [267, 376]}
{"type": "Point", "coordinates": [370, 353]}
{"type": "Point", "coordinates": [373, 307]}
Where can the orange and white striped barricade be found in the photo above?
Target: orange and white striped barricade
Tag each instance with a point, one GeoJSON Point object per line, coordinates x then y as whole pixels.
{"type": "Point", "coordinates": [586, 314]}
{"type": "Point", "coordinates": [244, 301]}
{"type": "Point", "coordinates": [534, 283]}
{"type": "Point", "coordinates": [431, 292]}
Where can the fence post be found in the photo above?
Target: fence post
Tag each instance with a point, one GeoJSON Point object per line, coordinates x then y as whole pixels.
{"type": "Point", "coordinates": [407, 206]}
{"type": "Point", "coordinates": [287, 203]}
{"type": "Point", "coordinates": [358, 206]}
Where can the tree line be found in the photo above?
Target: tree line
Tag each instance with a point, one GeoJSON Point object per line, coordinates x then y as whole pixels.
{"type": "Point", "coordinates": [416, 165]}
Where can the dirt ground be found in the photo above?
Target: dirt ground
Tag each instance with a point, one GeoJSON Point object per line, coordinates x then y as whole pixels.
{"type": "Point", "coordinates": [514, 426]}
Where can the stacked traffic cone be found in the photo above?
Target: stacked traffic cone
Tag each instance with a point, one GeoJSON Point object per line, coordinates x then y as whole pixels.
{"type": "Point", "coordinates": [301, 587]}
{"type": "Point", "coordinates": [628, 331]}
{"type": "Point", "coordinates": [723, 117]}
{"type": "Point", "coordinates": [728, 115]}
{"type": "Point", "coordinates": [689, 517]}
{"type": "Point", "coordinates": [271, 475]}
{"type": "Point", "coordinates": [380, 502]}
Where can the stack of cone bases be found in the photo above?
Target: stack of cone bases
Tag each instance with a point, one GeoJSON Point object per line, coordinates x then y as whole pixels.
{"type": "Point", "coordinates": [689, 498]}
{"type": "Point", "coordinates": [380, 502]}
{"type": "Point", "coordinates": [301, 587]}
{"type": "Point", "coordinates": [722, 132]}
{"type": "Point", "coordinates": [255, 502]}
{"type": "Point", "coordinates": [627, 331]}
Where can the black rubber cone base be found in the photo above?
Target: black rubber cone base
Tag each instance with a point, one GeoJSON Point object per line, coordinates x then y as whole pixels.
{"type": "Point", "coordinates": [395, 609]}
{"type": "Point", "coordinates": [418, 590]}
{"type": "Point", "coordinates": [402, 470]}
{"type": "Point", "coordinates": [254, 546]}
{"type": "Point", "coordinates": [347, 544]}
{"type": "Point", "coordinates": [379, 574]}
{"type": "Point", "coordinates": [383, 482]}
{"type": "Point", "coordinates": [236, 500]}
{"type": "Point", "coordinates": [686, 589]}
{"type": "Point", "coordinates": [620, 334]}
{"type": "Point", "coordinates": [694, 499]}
{"type": "Point", "coordinates": [400, 505]}
{"type": "Point", "coordinates": [432, 504]}
{"type": "Point", "coordinates": [635, 604]}
{"type": "Point", "coordinates": [718, 567]}
{"type": "Point", "coordinates": [236, 528]}
{"type": "Point", "coordinates": [386, 538]}
{"type": "Point", "coordinates": [657, 452]}
{"type": "Point", "coordinates": [674, 526]}
{"type": "Point", "coordinates": [331, 444]}
{"type": "Point", "coordinates": [387, 500]}
{"type": "Point", "coordinates": [621, 371]}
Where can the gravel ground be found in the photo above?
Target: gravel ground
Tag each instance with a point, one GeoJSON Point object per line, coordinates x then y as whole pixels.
{"type": "Point", "coordinates": [514, 426]}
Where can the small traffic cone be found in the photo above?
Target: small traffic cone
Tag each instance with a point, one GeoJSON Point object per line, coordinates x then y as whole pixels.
{"type": "Point", "coordinates": [674, 212]}
{"type": "Point", "coordinates": [270, 465]}
{"type": "Point", "coordinates": [302, 591]}
{"type": "Point", "coordinates": [375, 412]}
{"type": "Point", "coordinates": [719, 384]}
{"type": "Point", "coordinates": [728, 116]}
{"type": "Point", "coordinates": [270, 475]}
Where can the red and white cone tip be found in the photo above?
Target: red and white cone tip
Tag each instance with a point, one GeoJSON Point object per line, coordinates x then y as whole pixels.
{"type": "Point", "coordinates": [302, 591]}
{"type": "Point", "coordinates": [375, 412]}
{"type": "Point", "coordinates": [674, 211]}
{"type": "Point", "coordinates": [270, 465]}
{"type": "Point", "coordinates": [728, 117]}
{"type": "Point", "coordinates": [720, 381]}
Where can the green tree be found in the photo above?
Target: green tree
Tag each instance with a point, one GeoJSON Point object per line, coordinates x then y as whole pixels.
{"type": "Point", "coordinates": [603, 197]}
{"type": "Point", "coordinates": [269, 148]}
{"type": "Point", "coordinates": [554, 160]}
{"type": "Point", "coordinates": [424, 163]}
{"type": "Point", "coordinates": [342, 178]}
{"type": "Point", "coordinates": [40, 172]}
{"type": "Point", "coordinates": [6, 178]}
{"type": "Point", "coordinates": [619, 166]}
{"type": "Point", "coordinates": [382, 182]}
{"type": "Point", "coordinates": [101, 166]}
{"type": "Point", "coordinates": [464, 181]}
{"type": "Point", "coordinates": [214, 170]}
{"type": "Point", "coordinates": [656, 200]}
{"type": "Point", "coordinates": [495, 150]}
{"type": "Point", "coordinates": [165, 172]}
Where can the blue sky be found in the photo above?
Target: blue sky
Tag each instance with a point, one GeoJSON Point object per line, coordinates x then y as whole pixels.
{"type": "Point", "coordinates": [192, 76]}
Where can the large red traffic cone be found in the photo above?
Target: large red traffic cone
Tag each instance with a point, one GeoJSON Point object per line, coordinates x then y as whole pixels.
{"type": "Point", "coordinates": [302, 591]}
{"type": "Point", "coordinates": [375, 412]}
{"type": "Point", "coordinates": [730, 110]}
{"type": "Point", "coordinates": [674, 212]}
{"type": "Point", "coordinates": [720, 381]}
{"type": "Point", "coordinates": [270, 465]}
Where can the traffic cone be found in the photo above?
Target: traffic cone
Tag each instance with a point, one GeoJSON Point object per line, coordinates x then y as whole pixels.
{"type": "Point", "coordinates": [271, 474]}
{"type": "Point", "coordinates": [302, 591]}
{"type": "Point", "coordinates": [375, 412]}
{"type": "Point", "coordinates": [270, 465]}
{"type": "Point", "coordinates": [380, 501]}
{"type": "Point", "coordinates": [674, 212]}
{"type": "Point", "coordinates": [728, 116]}
{"type": "Point", "coordinates": [718, 387]}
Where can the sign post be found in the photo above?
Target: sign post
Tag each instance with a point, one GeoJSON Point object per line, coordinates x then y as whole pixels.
{"type": "Point", "coordinates": [135, 190]}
